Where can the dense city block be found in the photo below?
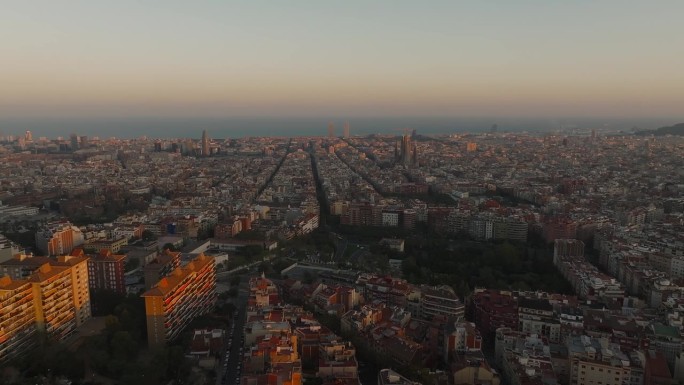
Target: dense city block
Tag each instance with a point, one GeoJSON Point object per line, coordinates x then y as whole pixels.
{"type": "Point", "coordinates": [479, 259]}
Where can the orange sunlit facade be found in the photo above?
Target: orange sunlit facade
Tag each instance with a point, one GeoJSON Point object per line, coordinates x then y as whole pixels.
{"type": "Point", "coordinates": [186, 293]}
{"type": "Point", "coordinates": [44, 294]}
{"type": "Point", "coordinates": [17, 317]}
{"type": "Point", "coordinates": [80, 285]}
{"type": "Point", "coordinates": [53, 300]}
{"type": "Point", "coordinates": [23, 266]}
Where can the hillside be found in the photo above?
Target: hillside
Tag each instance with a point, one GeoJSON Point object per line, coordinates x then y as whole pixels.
{"type": "Point", "coordinates": [677, 129]}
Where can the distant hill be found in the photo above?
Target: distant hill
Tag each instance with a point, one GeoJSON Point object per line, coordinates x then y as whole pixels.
{"type": "Point", "coordinates": [677, 129]}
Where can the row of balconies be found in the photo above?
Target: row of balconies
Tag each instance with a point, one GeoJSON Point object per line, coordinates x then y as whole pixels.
{"type": "Point", "coordinates": [17, 344]}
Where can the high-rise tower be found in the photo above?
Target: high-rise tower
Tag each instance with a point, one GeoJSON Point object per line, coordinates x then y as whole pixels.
{"type": "Point", "coordinates": [331, 129]}
{"type": "Point", "coordinates": [74, 142]}
{"type": "Point", "coordinates": [205, 143]}
{"type": "Point", "coordinates": [345, 131]}
{"type": "Point", "coordinates": [405, 149]}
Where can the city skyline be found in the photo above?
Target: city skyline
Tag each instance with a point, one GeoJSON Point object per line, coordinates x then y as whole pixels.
{"type": "Point", "coordinates": [495, 59]}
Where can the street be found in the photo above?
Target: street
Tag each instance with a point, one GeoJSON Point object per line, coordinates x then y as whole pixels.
{"type": "Point", "coordinates": [227, 371]}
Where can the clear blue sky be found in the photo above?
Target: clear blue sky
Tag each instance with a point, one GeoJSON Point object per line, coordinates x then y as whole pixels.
{"type": "Point", "coordinates": [346, 58]}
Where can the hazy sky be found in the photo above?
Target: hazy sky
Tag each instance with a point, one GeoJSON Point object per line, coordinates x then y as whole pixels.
{"type": "Point", "coordinates": [345, 58]}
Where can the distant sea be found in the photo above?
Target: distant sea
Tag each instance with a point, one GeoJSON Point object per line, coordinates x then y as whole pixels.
{"type": "Point", "coordinates": [287, 127]}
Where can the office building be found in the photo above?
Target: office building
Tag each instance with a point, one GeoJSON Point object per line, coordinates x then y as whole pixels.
{"type": "Point", "coordinates": [188, 292]}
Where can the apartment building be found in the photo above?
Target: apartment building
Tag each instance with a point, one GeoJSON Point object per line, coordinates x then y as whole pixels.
{"type": "Point", "coordinates": [472, 368]}
{"type": "Point", "coordinates": [595, 362]}
{"type": "Point", "coordinates": [536, 315]}
{"type": "Point", "coordinates": [53, 300]}
{"type": "Point", "coordinates": [80, 285]}
{"type": "Point", "coordinates": [17, 319]}
{"type": "Point", "coordinates": [464, 338]}
{"type": "Point", "coordinates": [58, 238]}
{"type": "Point", "coordinates": [111, 245]}
{"type": "Point", "coordinates": [440, 300]}
{"type": "Point", "coordinates": [161, 266]}
{"type": "Point", "coordinates": [7, 248]}
{"type": "Point", "coordinates": [23, 266]}
{"type": "Point", "coordinates": [262, 292]}
{"type": "Point", "coordinates": [337, 360]}
{"type": "Point", "coordinates": [272, 359]}
{"type": "Point", "coordinates": [106, 272]}
{"type": "Point", "coordinates": [186, 293]}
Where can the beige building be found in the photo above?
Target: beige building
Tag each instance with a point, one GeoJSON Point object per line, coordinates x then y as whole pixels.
{"type": "Point", "coordinates": [596, 362]}
{"type": "Point", "coordinates": [473, 369]}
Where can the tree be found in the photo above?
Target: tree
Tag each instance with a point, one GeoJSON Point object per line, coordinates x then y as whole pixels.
{"type": "Point", "coordinates": [148, 235]}
{"type": "Point", "coordinates": [409, 266]}
{"type": "Point", "coordinates": [179, 366]}
{"type": "Point", "coordinates": [105, 301]}
{"type": "Point", "coordinates": [123, 346]}
{"type": "Point", "coordinates": [308, 277]}
{"type": "Point", "coordinates": [233, 292]}
{"type": "Point", "coordinates": [134, 373]}
{"type": "Point", "coordinates": [132, 264]}
{"type": "Point", "coordinates": [251, 250]}
{"type": "Point", "coordinates": [112, 324]}
{"type": "Point", "coordinates": [235, 280]}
